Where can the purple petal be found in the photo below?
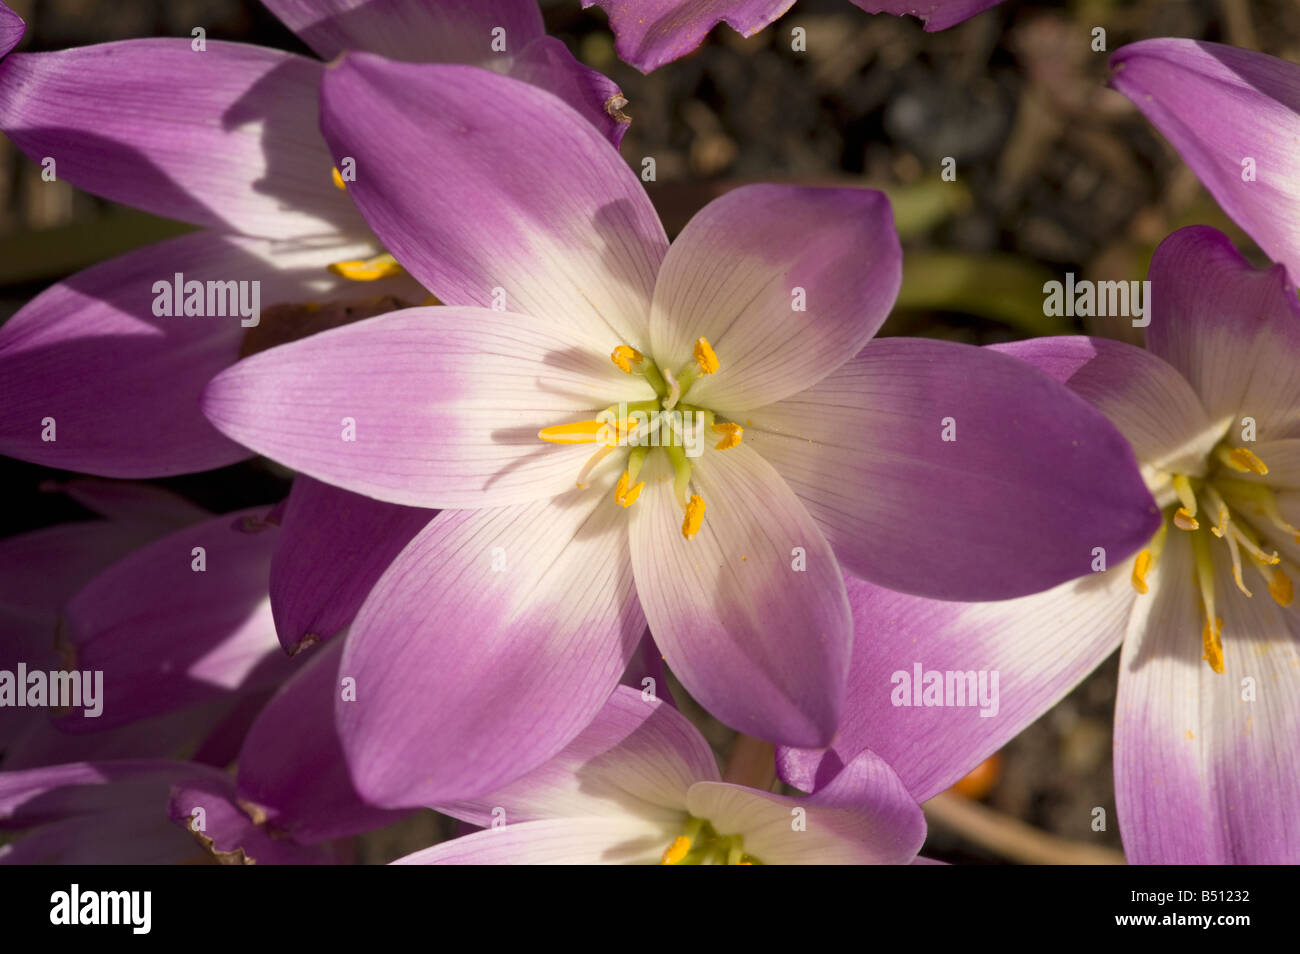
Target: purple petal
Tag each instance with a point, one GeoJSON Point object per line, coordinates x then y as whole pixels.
{"type": "Point", "coordinates": [96, 813]}
{"type": "Point", "coordinates": [234, 146]}
{"type": "Point", "coordinates": [750, 613]}
{"type": "Point", "coordinates": [12, 29]}
{"type": "Point", "coordinates": [74, 354]}
{"type": "Point", "coordinates": [466, 676]}
{"type": "Point", "coordinates": [1221, 106]}
{"type": "Point", "coordinates": [1205, 772]}
{"type": "Point", "coordinates": [935, 14]}
{"type": "Point", "coordinates": [787, 283]}
{"type": "Point", "coordinates": [1232, 330]}
{"type": "Point", "coordinates": [1034, 481]}
{"type": "Point", "coordinates": [636, 757]}
{"type": "Point", "coordinates": [651, 33]}
{"type": "Point", "coordinates": [166, 635]}
{"type": "Point", "coordinates": [1032, 650]}
{"type": "Point", "coordinates": [332, 547]}
{"type": "Point", "coordinates": [292, 766]}
{"type": "Point", "coordinates": [1146, 398]}
{"type": "Point", "coordinates": [547, 63]}
{"type": "Point", "coordinates": [232, 831]}
{"type": "Point", "coordinates": [444, 404]}
{"type": "Point", "coordinates": [574, 241]}
{"type": "Point", "coordinates": [441, 31]}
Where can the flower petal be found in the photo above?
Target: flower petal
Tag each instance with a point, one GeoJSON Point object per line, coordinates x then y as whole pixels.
{"type": "Point", "coordinates": [1034, 650]}
{"type": "Point", "coordinates": [235, 146]}
{"type": "Point", "coordinates": [446, 31]}
{"type": "Point", "coordinates": [626, 840]}
{"type": "Point", "coordinates": [74, 355]}
{"type": "Point", "coordinates": [935, 14]}
{"type": "Point", "coordinates": [444, 403]}
{"type": "Point", "coordinates": [651, 33]}
{"type": "Point", "coordinates": [12, 29]}
{"type": "Point", "coordinates": [864, 817]}
{"type": "Point", "coordinates": [637, 757]}
{"type": "Point", "coordinates": [786, 282]}
{"type": "Point", "coordinates": [332, 547]}
{"type": "Point", "coordinates": [1232, 330]}
{"type": "Point", "coordinates": [291, 766]}
{"type": "Point", "coordinates": [1145, 397]}
{"type": "Point", "coordinates": [547, 64]}
{"type": "Point", "coordinates": [228, 832]}
{"type": "Point", "coordinates": [569, 237]}
{"type": "Point", "coordinates": [1206, 764]}
{"type": "Point", "coordinates": [1220, 106]}
{"type": "Point", "coordinates": [489, 644]}
{"type": "Point", "coordinates": [167, 635]}
{"type": "Point", "coordinates": [1033, 483]}
{"type": "Point", "coordinates": [750, 613]}
{"type": "Point", "coordinates": [457, 31]}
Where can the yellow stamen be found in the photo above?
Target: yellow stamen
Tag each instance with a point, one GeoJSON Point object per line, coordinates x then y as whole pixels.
{"type": "Point", "coordinates": [579, 432]}
{"type": "Point", "coordinates": [732, 434]}
{"type": "Point", "coordinates": [338, 179]}
{"type": "Point", "coordinates": [626, 495]}
{"type": "Point", "coordinates": [1185, 521]}
{"type": "Point", "coordinates": [1221, 508]}
{"type": "Point", "coordinates": [1281, 589]}
{"type": "Point", "coordinates": [1235, 551]}
{"type": "Point", "coordinates": [704, 356]}
{"type": "Point", "coordinates": [1248, 543]}
{"type": "Point", "coordinates": [1211, 634]}
{"type": "Point", "coordinates": [1140, 570]}
{"type": "Point", "coordinates": [678, 850]}
{"type": "Point", "coordinates": [368, 269]}
{"type": "Point", "coordinates": [1183, 487]}
{"type": "Point", "coordinates": [1242, 460]}
{"type": "Point", "coordinates": [1213, 644]}
{"type": "Point", "coordinates": [625, 356]}
{"type": "Point", "coordinates": [694, 516]}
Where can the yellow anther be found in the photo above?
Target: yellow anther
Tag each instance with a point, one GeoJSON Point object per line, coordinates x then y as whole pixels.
{"type": "Point", "coordinates": [1140, 569]}
{"type": "Point", "coordinates": [1281, 588]}
{"type": "Point", "coordinates": [338, 179]}
{"type": "Point", "coordinates": [1242, 460]}
{"type": "Point", "coordinates": [678, 850]}
{"type": "Point", "coordinates": [731, 435]}
{"type": "Point", "coordinates": [694, 516]}
{"type": "Point", "coordinates": [625, 356]}
{"type": "Point", "coordinates": [1184, 520]}
{"type": "Point", "coordinates": [1213, 644]}
{"type": "Point", "coordinates": [579, 432]}
{"type": "Point", "coordinates": [626, 492]}
{"type": "Point", "coordinates": [368, 269]}
{"type": "Point", "coordinates": [704, 356]}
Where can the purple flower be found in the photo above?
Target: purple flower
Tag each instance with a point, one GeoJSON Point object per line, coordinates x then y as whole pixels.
{"type": "Point", "coordinates": [640, 785]}
{"type": "Point", "coordinates": [499, 631]}
{"type": "Point", "coordinates": [1207, 719]}
{"type": "Point", "coordinates": [651, 33]}
{"type": "Point", "coordinates": [225, 136]}
{"type": "Point", "coordinates": [1234, 117]}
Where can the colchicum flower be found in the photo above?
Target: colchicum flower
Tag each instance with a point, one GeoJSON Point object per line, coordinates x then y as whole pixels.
{"type": "Point", "coordinates": [640, 785]}
{"type": "Point", "coordinates": [555, 407]}
{"type": "Point", "coordinates": [651, 33]}
{"type": "Point", "coordinates": [1207, 720]}
{"type": "Point", "coordinates": [223, 136]}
